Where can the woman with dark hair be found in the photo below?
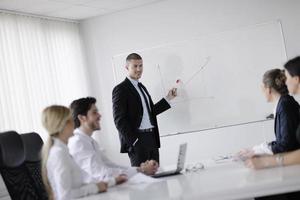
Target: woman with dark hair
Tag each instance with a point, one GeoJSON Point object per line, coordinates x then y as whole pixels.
{"type": "Point", "coordinates": [292, 72]}
{"type": "Point", "coordinates": [286, 117]}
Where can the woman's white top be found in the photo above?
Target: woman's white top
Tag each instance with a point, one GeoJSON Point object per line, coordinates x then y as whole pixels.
{"type": "Point", "coordinates": [264, 148]}
{"type": "Point", "coordinates": [65, 176]}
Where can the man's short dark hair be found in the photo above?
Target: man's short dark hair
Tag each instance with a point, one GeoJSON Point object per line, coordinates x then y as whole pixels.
{"type": "Point", "coordinates": [293, 66]}
{"type": "Point", "coordinates": [81, 107]}
{"type": "Point", "coordinates": [133, 56]}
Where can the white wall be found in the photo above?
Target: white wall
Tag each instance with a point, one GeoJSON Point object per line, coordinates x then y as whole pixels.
{"type": "Point", "coordinates": [170, 21]}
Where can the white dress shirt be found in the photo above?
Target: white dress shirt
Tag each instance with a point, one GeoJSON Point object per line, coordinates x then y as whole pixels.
{"type": "Point", "coordinates": [275, 108]}
{"type": "Point", "coordinates": [65, 176]}
{"type": "Point", "coordinates": [145, 123]}
{"type": "Point", "coordinates": [87, 154]}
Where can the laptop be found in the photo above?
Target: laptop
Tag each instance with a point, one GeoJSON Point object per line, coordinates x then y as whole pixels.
{"type": "Point", "coordinates": [180, 163]}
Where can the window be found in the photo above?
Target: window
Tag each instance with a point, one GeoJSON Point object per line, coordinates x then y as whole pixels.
{"type": "Point", "coordinates": [41, 63]}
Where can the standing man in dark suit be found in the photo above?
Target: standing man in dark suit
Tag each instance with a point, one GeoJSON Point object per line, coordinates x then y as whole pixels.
{"type": "Point", "coordinates": [135, 114]}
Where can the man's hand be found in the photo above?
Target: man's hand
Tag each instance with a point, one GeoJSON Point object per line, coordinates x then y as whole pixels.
{"type": "Point", "coordinates": [121, 179]}
{"type": "Point", "coordinates": [171, 94]}
{"type": "Point", "coordinates": [102, 186]}
{"type": "Point", "coordinates": [149, 167]}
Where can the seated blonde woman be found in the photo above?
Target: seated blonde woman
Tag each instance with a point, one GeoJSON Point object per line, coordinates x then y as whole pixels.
{"type": "Point", "coordinates": [63, 178]}
{"type": "Point", "coordinates": [292, 72]}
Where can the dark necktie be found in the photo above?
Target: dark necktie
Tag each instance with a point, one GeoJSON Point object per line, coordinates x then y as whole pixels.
{"type": "Point", "coordinates": [146, 101]}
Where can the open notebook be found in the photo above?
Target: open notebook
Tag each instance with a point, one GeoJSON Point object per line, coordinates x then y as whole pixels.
{"type": "Point", "coordinates": [180, 163]}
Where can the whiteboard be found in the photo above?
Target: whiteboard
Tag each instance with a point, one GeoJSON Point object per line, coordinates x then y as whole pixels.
{"type": "Point", "coordinates": [220, 77]}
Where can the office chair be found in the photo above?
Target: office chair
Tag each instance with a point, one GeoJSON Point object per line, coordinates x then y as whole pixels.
{"type": "Point", "coordinates": [13, 169]}
{"type": "Point", "coordinates": [33, 144]}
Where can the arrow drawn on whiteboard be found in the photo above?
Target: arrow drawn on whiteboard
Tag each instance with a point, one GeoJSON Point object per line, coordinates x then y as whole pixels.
{"type": "Point", "coordinates": [198, 71]}
{"type": "Point", "coordinates": [189, 80]}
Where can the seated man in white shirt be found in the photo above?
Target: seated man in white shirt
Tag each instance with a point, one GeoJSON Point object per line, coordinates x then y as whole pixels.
{"type": "Point", "coordinates": [86, 151]}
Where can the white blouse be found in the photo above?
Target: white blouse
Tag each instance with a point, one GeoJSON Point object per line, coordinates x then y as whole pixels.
{"type": "Point", "coordinates": [87, 154]}
{"type": "Point", "coordinates": [65, 177]}
{"type": "Point", "coordinates": [264, 148]}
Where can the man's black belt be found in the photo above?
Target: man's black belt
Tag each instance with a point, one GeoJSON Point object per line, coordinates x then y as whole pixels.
{"type": "Point", "coordinates": [147, 130]}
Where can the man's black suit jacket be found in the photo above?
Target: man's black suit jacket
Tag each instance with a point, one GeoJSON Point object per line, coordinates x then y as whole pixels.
{"type": "Point", "coordinates": [286, 122]}
{"type": "Point", "coordinates": [128, 113]}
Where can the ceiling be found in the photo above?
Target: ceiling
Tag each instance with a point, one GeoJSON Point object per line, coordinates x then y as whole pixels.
{"type": "Point", "coordinates": [71, 9]}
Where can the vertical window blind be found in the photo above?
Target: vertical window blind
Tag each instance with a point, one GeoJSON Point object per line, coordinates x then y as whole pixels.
{"type": "Point", "coordinates": [41, 63]}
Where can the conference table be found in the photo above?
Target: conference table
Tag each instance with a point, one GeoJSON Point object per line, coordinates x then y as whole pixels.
{"type": "Point", "coordinates": [228, 180]}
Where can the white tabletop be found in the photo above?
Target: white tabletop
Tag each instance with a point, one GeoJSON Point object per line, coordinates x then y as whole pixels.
{"type": "Point", "coordinates": [229, 180]}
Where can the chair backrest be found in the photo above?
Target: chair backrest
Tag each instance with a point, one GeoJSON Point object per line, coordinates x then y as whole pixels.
{"type": "Point", "coordinates": [33, 144]}
{"type": "Point", "coordinates": [13, 169]}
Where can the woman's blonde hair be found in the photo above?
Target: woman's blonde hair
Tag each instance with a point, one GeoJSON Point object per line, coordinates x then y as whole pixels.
{"type": "Point", "coordinates": [54, 120]}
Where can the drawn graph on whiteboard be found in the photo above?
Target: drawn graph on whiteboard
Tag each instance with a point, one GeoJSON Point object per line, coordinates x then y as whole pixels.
{"type": "Point", "coordinates": [182, 83]}
{"type": "Point", "coordinates": [218, 76]}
